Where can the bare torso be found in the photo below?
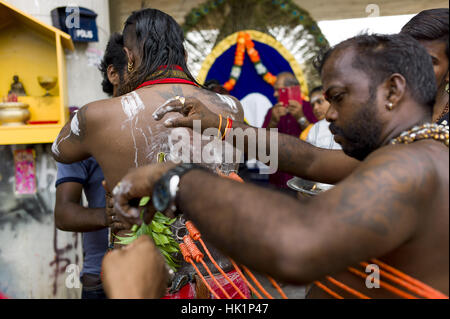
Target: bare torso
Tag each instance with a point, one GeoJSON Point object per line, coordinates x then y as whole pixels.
{"type": "Point", "coordinates": [126, 135]}
{"type": "Point", "coordinates": [425, 255]}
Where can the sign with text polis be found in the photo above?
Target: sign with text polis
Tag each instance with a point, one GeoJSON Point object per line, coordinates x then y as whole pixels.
{"type": "Point", "coordinates": [79, 22]}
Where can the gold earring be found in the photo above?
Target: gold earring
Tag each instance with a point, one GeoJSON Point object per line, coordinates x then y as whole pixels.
{"type": "Point", "coordinates": [390, 106]}
{"type": "Point", "coordinates": [130, 66]}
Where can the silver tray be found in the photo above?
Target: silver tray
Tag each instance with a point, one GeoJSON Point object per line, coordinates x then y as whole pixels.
{"type": "Point", "coordinates": [307, 187]}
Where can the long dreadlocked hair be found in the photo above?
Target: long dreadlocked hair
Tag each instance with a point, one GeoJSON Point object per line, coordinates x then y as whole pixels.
{"type": "Point", "coordinates": [159, 40]}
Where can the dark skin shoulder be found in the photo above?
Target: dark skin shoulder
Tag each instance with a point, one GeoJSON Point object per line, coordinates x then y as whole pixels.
{"type": "Point", "coordinates": [379, 210]}
{"type": "Point", "coordinates": [122, 130]}
{"type": "Point", "coordinates": [393, 207]}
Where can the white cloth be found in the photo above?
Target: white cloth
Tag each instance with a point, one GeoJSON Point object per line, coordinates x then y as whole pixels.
{"type": "Point", "coordinates": [320, 135]}
{"type": "Point", "coordinates": [255, 107]}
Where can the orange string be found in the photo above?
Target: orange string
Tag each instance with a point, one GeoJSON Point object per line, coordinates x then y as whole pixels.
{"type": "Point", "coordinates": [277, 287]}
{"type": "Point", "coordinates": [198, 257]}
{"type": "Point", "coordinates": [257, 283]}
{"type": "Point", "coordinates": [347, 288]}
{"type": "Point", "coordinates": [196, 235]}
{"type": "Point", "coordinates": [193, 250]}
{"type": "Point", "coordinates": [214, 279]}
{"type": "Point", "coordinates": [245, 280]}
{"type": "Point", "coordinates": [404, 284]}
{"type": "Point", "coordinates": [204, 281]}
{"type": "Point", "coordinates": [221, 270]}
{"type": "Point", "coordinates": [328, 290]}
{"type": "Point", "coordinates": [386, 286]}
{"type": "Point", "coordinates": [187, 257]}
{"type": "Point", "coordinates": [193, 231]}
{"type": "Point", "coordinates": [410, 279]}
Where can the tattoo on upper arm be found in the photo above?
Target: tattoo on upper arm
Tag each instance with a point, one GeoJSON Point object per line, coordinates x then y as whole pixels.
{"type": "Point", "coordinates": [381, 195]}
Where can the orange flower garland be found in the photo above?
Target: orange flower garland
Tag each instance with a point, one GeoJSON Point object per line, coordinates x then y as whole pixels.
{"type": "Point", "coordinates": [245, 43]}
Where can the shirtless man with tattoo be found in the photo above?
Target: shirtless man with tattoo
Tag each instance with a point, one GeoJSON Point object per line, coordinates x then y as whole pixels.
{"type": "Point", "coordinates": [394, 206]}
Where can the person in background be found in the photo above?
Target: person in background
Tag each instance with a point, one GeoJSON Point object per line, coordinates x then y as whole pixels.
{"type": "Point", "coordinates": [291, 120]}
{"type": "Point", "coordinates": [430, 28]}
{"type": "Point", "coordinates": [72, 179]}
{"type": "Point", "coordinates": [319, 133]}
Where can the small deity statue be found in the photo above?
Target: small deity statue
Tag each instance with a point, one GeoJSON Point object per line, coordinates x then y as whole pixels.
{"type": "Point", "coordinates": [17, 87]}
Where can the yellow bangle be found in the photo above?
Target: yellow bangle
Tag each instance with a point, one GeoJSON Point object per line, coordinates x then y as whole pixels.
{"type": "Point", "coordinates": [220, 125]}
{"type": "Point", "coordinates": [226, 128]}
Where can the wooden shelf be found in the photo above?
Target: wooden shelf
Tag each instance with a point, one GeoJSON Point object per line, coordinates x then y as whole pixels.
{"type": "Point", "coordinates": [29, 134]}
{"type": "Point", "coordinates": [30, 48]}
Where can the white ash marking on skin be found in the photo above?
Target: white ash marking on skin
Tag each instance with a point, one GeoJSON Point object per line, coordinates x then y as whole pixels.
{"type": "Point", "coordinates": [55, 145]}
{"type": "Point", "coordinates": [228, 101]}
{"type": "Point", "coordinates": [159, 142]}
{"type": "Point", "coordinates": [156, 115]}
{"type": "Point", "coordinates": [131, 106]}
{"type": "Point", "coordinates": [74, 128]}
{"type": "Point", "coordinates": [55, 149]}
{"type": "Point", "coordinates": [75, 125]}
{"type": "Point", "coordinates": [122, 188]}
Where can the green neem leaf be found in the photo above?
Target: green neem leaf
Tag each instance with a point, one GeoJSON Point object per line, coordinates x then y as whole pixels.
{"type": "Point", "coordinates": [162, 235]}
{"type": "Point", "coordinates": [163, 240]}
{"type": "Point", "coordinates": [170, 249]}
{"type": "Point", "coordinates": [158, 227]}
{"type": "Point", "coordinates": [144, 201]}
{"type": "Point", "coordinates": [126, 240]}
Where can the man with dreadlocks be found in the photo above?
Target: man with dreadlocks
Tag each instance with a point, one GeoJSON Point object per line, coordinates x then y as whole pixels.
{"type": "Point", "coordinates": [120, 133]}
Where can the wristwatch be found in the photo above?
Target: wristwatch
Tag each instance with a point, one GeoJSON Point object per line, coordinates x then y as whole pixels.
{"type": "Point", "coordinates": [166, 188]}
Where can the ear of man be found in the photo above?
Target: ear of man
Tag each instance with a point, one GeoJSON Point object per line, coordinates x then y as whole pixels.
{"type": "Point", "coordinates": [396, 88]}
{"type": "Point", "coordinates": [112, 74]}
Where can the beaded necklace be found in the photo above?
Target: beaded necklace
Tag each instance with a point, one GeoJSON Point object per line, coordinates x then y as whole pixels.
{"type": "Point", "coordinates": [425, 131]}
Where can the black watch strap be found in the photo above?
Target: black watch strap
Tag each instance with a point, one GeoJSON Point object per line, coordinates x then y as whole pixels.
{"type": "Point", "coordinates": [164, 192]}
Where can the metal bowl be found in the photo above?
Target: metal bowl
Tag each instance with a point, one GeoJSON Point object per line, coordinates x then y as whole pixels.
{"type": "Point", "coordinates": [307, 187]}
{"type": "Point", "coordinates": [14, 113]}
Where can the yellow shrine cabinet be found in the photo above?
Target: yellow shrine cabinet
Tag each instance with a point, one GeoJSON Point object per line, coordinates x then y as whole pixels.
{"type": "Point", "coordinates": [34, 52]}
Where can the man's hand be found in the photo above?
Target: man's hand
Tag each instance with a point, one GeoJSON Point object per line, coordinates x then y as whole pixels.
{"type": "Point", "coordinates": [296, 109]}
{"type": "Point", "coordinates": [192, 110]}
{"type": "Point", "coordinates": [111, 219]}
{"type": "Point", "coordinates": [278, 111]}
{"type": "Point", "coordinates": [138, 183]}
{"type": "Point", "coordinates": [136, 271]}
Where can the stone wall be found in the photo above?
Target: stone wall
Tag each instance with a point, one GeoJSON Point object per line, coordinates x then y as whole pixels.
{"type": "Point", "coordinates": [33, 254]}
